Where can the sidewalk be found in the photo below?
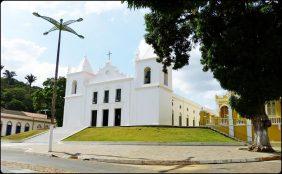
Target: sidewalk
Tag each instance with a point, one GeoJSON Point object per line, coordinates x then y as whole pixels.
{"type": "Point", "coordinates": [147, 154]}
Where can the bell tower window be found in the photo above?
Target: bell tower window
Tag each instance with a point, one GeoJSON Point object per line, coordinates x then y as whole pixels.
{"type": "Point", "coordinates": [165, 78]}
{"type": "Point", "coordinates": [74, 87]}
{"type": "Point", "coordinates": [147, 75]}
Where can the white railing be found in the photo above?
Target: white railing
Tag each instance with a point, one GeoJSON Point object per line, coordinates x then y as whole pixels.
{"type": "Point", "coordinates": [275, 120]}
{"type": "Point", "coordinates": [240, 122]}
{"type": "Point", "coordinates": [223, 121]}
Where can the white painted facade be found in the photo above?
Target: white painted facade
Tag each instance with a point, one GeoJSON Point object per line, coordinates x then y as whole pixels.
{"type": "Point", "coordinates": [23, 121]}
{"type": "Point", "coordinates": [141, 103]}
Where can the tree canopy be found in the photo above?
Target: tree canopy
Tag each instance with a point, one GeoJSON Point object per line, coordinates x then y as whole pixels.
{"type": "Point", "coordinates": [24, 97]}
{"type": "Point", "coordinates": [240, 42]}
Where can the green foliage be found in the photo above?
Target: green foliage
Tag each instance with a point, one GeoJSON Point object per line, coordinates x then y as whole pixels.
{"type": "Point", "coordinates": [42, 99]}
{"type": "Point", "coordinates": [9, 75]}
{"type": "Point", "coordinates": [16, 93]}
{"type": "Point", "coordinates": [23, 135]}
{"type": "Point", "coordinates": [30, 79]}
{"type": "Point", "coordinates": [24, 97]}
{"type": "Point", "coordinates": [15, 104]}
{"type": "Point", "coordinates": [240, 42]}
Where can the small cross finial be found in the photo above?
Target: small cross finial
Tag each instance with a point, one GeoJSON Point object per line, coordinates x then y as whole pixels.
{"type": "Point", "coordinates": [109, 54]}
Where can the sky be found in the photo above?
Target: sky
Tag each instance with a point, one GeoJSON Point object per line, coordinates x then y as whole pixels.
{"type": "Point", "coordinates": [106, 26]}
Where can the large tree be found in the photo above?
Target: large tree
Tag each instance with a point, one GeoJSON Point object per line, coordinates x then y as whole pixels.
{"type": "Point", "coordinates": [9, 75]}
{"type": "Point", "coordinates": [30, 79]}
{"type": "Point", "coordinates": [42, 98]}
{"type": "Point", "coordinates": [240, 42]}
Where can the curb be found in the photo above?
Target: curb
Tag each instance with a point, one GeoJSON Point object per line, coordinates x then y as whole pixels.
{"type": "Point", "coordinates": [183, 162]}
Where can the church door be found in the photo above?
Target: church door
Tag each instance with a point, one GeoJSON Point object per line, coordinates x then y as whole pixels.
{"type": "Point", "coordinates": [180, 121]}
{"type": "Point", "coordinates": [117, 117]}
{"type": "Point", "coordinates": [105, 117]}
{"type": "Point", "coordinates": [94, 118]}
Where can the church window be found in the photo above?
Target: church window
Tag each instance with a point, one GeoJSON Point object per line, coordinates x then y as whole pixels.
{"type": "Point", "coordinates": [147, 75]}
{"type": "Point", "coordinates": [187, 109]}
{"type": "Point", "coordinates": [95, 97]}
{"type": "Point", "coordinates": [166, 79]}
{"type": "Point", "coordinates": [118, 95]}
{"type": "Point", "coordinates": [74, 87]}
{"type": "Point", "coordinates": [179, 106]}
{"type": "Point", "coordinates": [106, 96]}
{"type": "Point", "coordinates": [270, 108]}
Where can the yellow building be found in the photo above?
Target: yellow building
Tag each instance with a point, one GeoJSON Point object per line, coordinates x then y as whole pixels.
{"type": "Point", "coordinates": [230, 122]}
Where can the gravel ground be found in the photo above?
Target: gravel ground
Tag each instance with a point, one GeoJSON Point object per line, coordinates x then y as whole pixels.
{"type": "Point", "coordinates": [37, 168]}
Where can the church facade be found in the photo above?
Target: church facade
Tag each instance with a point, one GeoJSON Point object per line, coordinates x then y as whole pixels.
{"type": "Point", "coordinates": [110, 98]}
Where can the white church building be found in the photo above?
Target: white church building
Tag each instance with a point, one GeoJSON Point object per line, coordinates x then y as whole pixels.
{"type": "Point", "coordinates": [110, 98]}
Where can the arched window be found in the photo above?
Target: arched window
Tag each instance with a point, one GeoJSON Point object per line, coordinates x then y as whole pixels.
{"type": "Point", "coordinates": [39, 126]}
{"type": "Point", "coordinates": [223, 111]}
{"type": "Point", "coordinates": [18, 127]}
{"type": "Point", "coordinates": [165, 78]}
{"type": "Point", "coordinates": [147, 75]}
{"type": "Point", "coordinates": [270, 108]}
{"type": "Point", "coordinates": [9, 128]}
{"type": "Point", "coordinates": [74, 87]}
{"type": "Point", "coordinates": [26, 127]}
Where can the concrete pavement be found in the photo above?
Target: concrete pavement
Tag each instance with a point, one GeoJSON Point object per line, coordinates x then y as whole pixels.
{"type": "Point", "coordinates": [147, 154]}
{"type": "Point", "coordinates": [16, 161]}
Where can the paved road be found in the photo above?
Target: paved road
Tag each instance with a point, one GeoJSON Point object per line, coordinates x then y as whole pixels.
{"type": "Point", "coordinates": [17, 157]}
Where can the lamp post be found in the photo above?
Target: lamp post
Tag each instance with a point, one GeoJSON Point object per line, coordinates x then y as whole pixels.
{"type": "Point", "coordinates": [57, 26]}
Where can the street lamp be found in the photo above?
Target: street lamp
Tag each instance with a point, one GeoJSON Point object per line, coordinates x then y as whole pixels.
{"type": "Point", "coordinates": [57, 26]}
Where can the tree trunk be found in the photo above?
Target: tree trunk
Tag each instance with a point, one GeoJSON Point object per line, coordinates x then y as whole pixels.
{"type": "Point", "coordinates": [261, 123]}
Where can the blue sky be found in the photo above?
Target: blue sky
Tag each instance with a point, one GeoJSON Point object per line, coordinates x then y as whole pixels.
{"type": "Point", "coordinates": [106, 26]}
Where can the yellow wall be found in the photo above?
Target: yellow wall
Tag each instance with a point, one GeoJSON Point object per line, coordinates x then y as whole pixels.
{"type": "Point", "coordinates": [224, 129]}
{"type": "Point", "coordinates": [278, 108]}
{"type": "Point", "coordinates": [274, 133]}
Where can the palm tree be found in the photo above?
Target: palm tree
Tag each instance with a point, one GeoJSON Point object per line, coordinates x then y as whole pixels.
{"type": "Point", "coordinates": [57, 26]}
{"type": "Point", "coordinates": [9, 76]}
{"type": "Point", "coordinates": [30, 79]}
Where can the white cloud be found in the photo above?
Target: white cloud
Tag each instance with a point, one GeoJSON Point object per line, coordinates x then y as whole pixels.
{"type": "Point", "coordinates": [193, 83]}
{"type": "Point", "coordinates": [23, 57]}
{"type": "Point", "coordinates": [63, 9]}
{"type": "Point", "coordinates": [99, 7]}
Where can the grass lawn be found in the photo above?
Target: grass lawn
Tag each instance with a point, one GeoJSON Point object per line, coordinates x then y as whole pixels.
{"type": "Point", "coordinates": [23, 135]}
{"type": "Point", "coordinates": [149, 134]}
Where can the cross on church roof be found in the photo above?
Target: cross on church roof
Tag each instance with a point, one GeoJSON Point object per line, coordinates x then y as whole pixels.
{"type": "Point", "coordinates": [109, 54]}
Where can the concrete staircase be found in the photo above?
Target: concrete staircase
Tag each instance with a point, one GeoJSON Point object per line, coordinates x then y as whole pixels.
{"type": "Point", "coordinates": [59, 134]}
